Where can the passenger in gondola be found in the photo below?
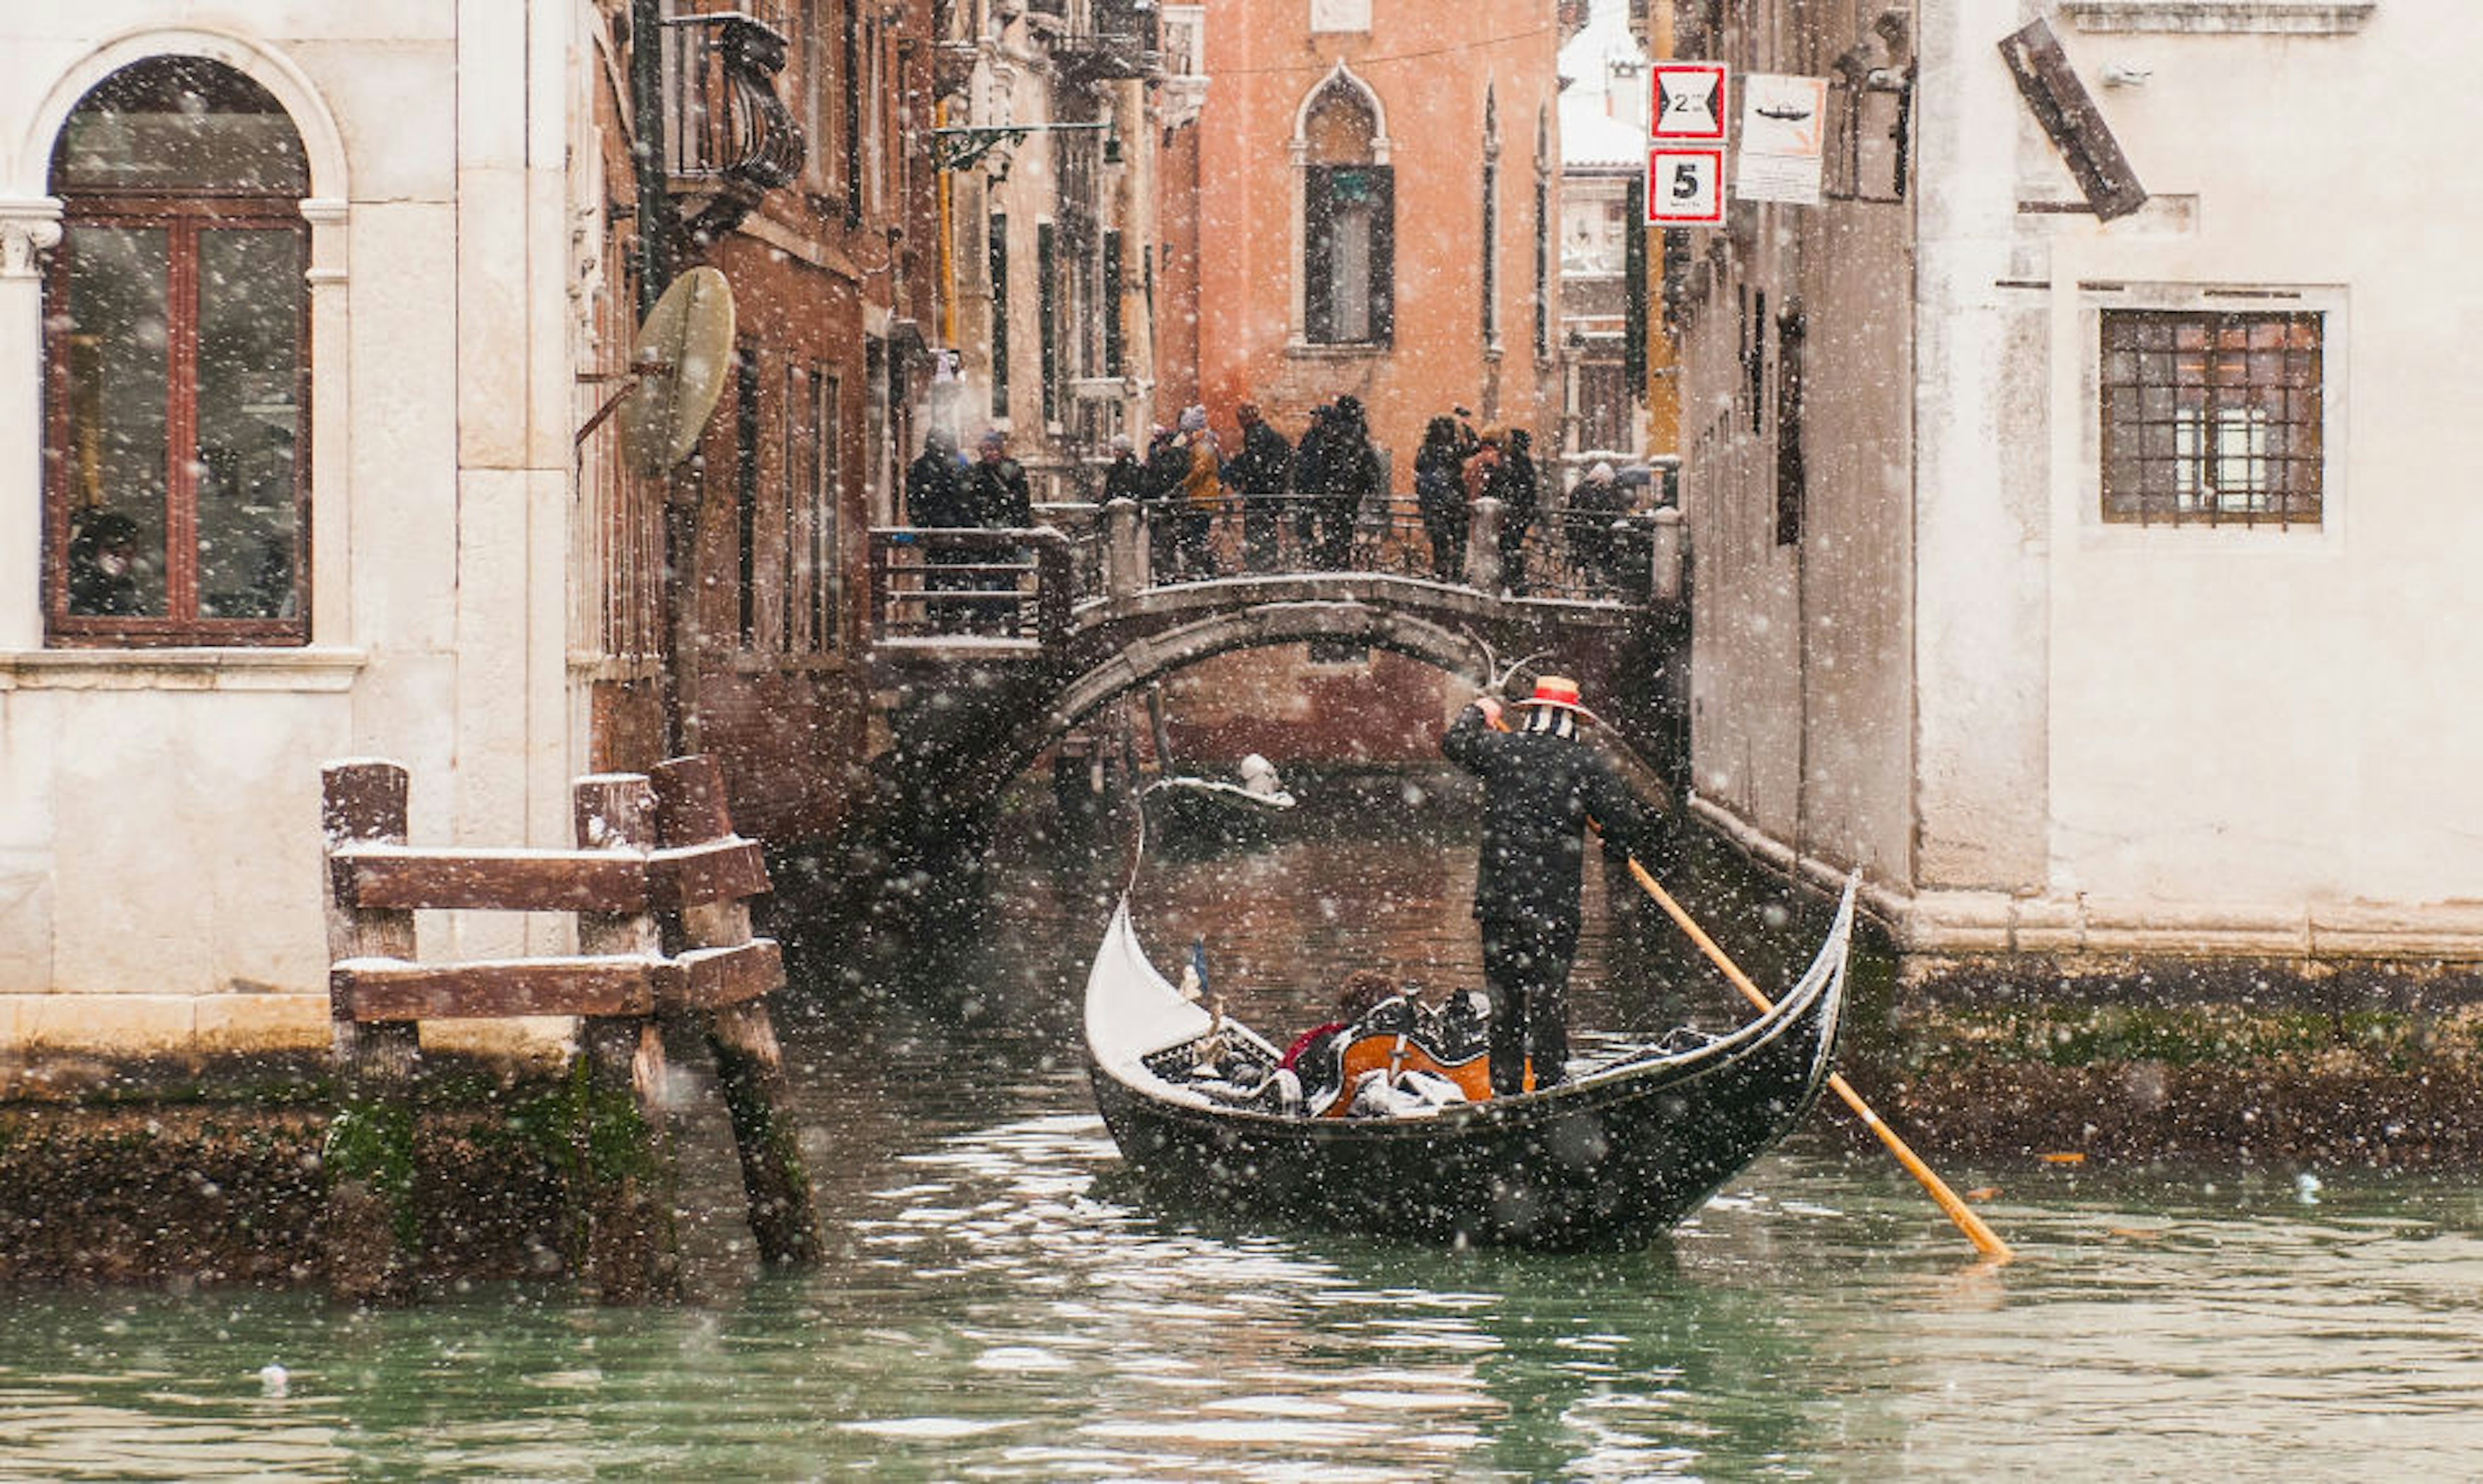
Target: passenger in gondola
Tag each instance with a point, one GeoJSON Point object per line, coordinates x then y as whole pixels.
{"type": "Point", "coordinates": [1543, 789]}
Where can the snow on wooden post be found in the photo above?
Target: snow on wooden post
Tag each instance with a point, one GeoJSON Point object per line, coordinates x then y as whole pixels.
{"type": "Point", "coordinates": [713, 872]}
{"type": "Point", "coordinates": [373, 1227]}
{"type": "Point", "coordinates": [628, 1246]}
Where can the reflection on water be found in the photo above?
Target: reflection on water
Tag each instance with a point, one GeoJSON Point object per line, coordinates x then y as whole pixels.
{"type": "Point", "coordinates": [999, 1305]}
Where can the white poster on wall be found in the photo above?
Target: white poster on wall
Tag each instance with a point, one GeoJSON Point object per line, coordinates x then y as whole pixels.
{"type": "Point", "coordinates": [1783, 127]}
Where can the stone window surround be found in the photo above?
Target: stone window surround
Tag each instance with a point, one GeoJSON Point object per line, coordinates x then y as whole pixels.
{"type": "Point", "coordinates": [1298, 151]}
{"type": "Point", "coordinates": [30, 224]}
{"type": "Point", "coordinates": [2087, 303]}
{"type": "Point", "coordinates": [2282, 17]}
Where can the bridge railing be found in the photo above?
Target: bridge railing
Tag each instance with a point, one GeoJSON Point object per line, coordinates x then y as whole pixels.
{"type": "Point", "coordinates": [1007, 589]}
{"type": "Point", "coordinates": [1632, 559]}
{"type": "Point", "coordinates": [1018, 588]}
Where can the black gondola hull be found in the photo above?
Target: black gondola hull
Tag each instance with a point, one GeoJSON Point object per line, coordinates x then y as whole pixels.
{"type": "Point", "coordinates": [1613, 1157]}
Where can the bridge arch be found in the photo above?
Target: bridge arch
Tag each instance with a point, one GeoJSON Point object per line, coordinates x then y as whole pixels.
{"type": "Point", "coordinates": [1146, 659]}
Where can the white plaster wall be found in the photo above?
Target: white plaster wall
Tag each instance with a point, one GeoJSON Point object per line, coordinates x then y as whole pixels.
{"type": "Point", "coordinates": [159, 849]}
{"type": "Point", "coordinates": [1980, 620]}
{"type": "Point", "coordinates": [2281, 724]}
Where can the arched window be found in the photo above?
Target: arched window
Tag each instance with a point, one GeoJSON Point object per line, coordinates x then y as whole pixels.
{"type": "Point", "coordinates": [1349, 224]}
{"type": "Point", "coordinates": [176, 376]}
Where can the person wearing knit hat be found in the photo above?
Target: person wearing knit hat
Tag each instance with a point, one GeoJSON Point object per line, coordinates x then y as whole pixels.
{"type": "Point", "coordinates": [1542, 788]}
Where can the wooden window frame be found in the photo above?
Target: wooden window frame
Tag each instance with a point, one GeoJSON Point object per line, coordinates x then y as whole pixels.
{"type": "Point", "coordinates": [183, 218]}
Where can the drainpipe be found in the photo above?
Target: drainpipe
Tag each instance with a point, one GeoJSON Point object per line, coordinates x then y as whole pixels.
{"type": "Point", "coordinates": [646, 136]}
{"type": "Point", "coordinates": [679, 685]}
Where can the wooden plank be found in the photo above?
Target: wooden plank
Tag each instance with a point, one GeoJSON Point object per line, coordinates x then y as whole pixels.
{"type": "Point", "coordinates": [405, 876]}
{"type": "Point", "coordinates": [713, 978]}
{"type": "Point", "coordinates": [384, 990]}
{"type": "Point", "coordinates": [717, 871]}
{"type": "Point", "coordinates": [2069, 115]}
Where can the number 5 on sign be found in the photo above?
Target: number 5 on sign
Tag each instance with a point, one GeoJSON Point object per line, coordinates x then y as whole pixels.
{"type": "Point", "coordinates": [1685, 188]}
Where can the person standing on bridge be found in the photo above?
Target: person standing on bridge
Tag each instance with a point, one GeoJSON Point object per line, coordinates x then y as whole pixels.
{"type": "Point", "coordinates": [1348, 472]}
{"type": "Point", "coordinates": [1440, 497]}
{"type": "Point", "coordinates": [1002, 502]}
{"type": "Point", "coordinates": [1202, 495]}
{"type": "Point", "coordinates": [1258, 472]}
{"type": "Point", "coordinates": [1542, 788]}
{"type": "Point", "coordinates": [936, 500]}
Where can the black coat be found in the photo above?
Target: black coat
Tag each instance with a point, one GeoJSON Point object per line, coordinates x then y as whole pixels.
{"type": "Point", "coordinates": [1540, 793]}
{"type": "Point", "coordinates": [1125, 479]}
{"type": "Point", "coordinates": [935, 495]}
{"type": "Point", "coordinates": [1001, 501]}
{"type": "Point", "coordinates": [1264, 463]}
{"type": "Point", "coordinates": [1439, 480]}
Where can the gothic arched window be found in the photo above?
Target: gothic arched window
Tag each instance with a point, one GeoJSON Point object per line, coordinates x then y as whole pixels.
{"type": "Point", "coordinates": [177, 364]}
{"type": "Point", "coordinates": [1348, 225]}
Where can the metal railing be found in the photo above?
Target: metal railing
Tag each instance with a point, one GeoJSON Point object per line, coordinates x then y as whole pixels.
{"type": "Point", "coordinates": [1004, 589]}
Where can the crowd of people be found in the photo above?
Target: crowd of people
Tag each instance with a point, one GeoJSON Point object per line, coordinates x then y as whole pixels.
{"type": "Point", "coordinates": [1301, 501]}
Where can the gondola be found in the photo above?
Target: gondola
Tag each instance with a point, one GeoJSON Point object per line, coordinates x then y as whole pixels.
{"type": "Point", "coordinates": [1620, 1152]}
{"type": "Point", "coordinates": [1215, 811]}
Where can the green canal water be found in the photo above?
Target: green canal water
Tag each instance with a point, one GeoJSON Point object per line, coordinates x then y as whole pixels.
{"type": "Point", "coordinates": [999, 1304]}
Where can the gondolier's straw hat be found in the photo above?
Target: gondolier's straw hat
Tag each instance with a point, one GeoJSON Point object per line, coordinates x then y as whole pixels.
{"type": "Point", "coordinates": [1558, 691]}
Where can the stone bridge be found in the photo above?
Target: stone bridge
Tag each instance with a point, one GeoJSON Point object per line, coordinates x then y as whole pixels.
{"type": "Point", "coordinates": [987, 646]}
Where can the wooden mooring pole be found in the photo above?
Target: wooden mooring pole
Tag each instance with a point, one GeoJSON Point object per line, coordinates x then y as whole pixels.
{"type": "Point", "coordinates": [690, 810]}
{"type": "Point", "coordinates": [625, 1247]}
{"type": "Point", "coordinates": [373, 1225]}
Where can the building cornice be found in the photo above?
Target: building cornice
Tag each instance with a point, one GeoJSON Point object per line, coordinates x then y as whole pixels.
{"type": "Point", "coordinates": [2281, 17]}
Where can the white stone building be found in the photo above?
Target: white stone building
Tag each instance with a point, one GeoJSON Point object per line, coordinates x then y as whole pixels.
{"type": "Point", "coordinates": [307, 312]}
{"type": "Point", "coordinates": [405, 587]}
{"type": "Point", "coordinates": [2085, 556]}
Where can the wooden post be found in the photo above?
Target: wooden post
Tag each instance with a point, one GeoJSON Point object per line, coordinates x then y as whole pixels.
{"type": "Point", "coordinates": [373, 1226]}
{"type": "Point", "coordinates": [621, 1200]}
{"type": "Point", "coordinates": [691, 809]}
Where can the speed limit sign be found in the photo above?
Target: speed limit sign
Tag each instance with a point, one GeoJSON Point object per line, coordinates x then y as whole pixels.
{"type": "Point", "coordinates": [1685, 187]}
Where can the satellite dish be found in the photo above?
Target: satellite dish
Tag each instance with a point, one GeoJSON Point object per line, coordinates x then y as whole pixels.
{"type": "Point", "coordinates": [681, 356]}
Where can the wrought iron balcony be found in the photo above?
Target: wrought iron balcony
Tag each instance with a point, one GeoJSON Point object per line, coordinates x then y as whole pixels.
{"type": "Point", "coordinates": [1106, 39]}
{"type": "Point", "coordinates": [725, 126]}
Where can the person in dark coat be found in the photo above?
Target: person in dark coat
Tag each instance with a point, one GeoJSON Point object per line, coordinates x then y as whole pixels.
{"type": "Point", "coordinates": [1595, 511]}
{"type": "Point", "coordinates": [1168, 465]}
{"type": "Point", "coordinates": [1259, 472]}
{"type": "Point", "coordinates": [935, 498]}
{"type": "Point", "coordinates": [1349, 474]}
{"type": "Point", "coordinates": [1440, 497]}
{"type": "Point", "coordinates": [1125, 478]}
{"type": "Point", "coordinates": [1513, 484]}
{"type": "Point", "coordinates": [1542, 788]}
{"type": "Point", "coordinates": [1001, 501]}
{"type": "Point", "coordinates": [1310, 475]}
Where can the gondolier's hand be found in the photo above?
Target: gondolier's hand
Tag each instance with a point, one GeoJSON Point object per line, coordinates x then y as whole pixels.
{"type": "Point", "coordinates": [1490, 709]}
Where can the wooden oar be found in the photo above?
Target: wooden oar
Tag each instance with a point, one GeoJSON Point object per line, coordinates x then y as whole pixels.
{"type": "Point", "coordinates": [1984, 1239]}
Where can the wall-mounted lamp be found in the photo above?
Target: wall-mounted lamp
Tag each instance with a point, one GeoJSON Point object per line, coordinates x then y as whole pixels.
{"type": "Point", "coordinates": [959, 147]}
{"type": "Point", "coordinates": [2117, 74]}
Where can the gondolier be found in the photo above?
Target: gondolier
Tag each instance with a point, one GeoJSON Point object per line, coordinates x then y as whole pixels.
{"type": "Point", "coordinates": [1542, 788]}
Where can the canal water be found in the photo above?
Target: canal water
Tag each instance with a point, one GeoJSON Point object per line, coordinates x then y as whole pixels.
{"type": "Point", "coordinates": [999, 1304]}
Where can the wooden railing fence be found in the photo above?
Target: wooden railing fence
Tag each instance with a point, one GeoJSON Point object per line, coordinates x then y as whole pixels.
{"type": "Point", "coordinates": [656, 861]}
